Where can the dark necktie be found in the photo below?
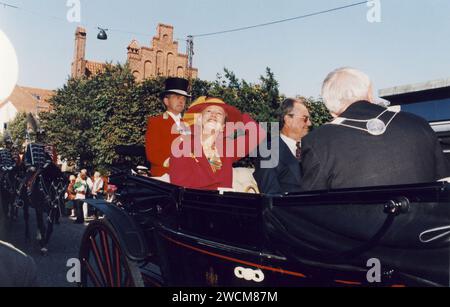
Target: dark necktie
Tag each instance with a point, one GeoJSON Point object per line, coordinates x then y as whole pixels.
{"type": "Point", "coordinates": [298, 151]}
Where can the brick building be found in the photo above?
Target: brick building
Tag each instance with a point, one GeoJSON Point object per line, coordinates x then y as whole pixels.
{"type": "Point", "coordinates": [160, 59]}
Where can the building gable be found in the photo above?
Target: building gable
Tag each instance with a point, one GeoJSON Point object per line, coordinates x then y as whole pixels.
{"type": "Point", "coordinates": [160, 59]}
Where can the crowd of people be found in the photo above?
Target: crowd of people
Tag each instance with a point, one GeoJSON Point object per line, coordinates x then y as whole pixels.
{"type": "Point", "coordinates": [79, 189]}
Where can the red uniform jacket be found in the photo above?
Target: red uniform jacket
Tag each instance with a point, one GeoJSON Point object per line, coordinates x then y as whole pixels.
{"type": "Point", "coordinates": [196, 172]}
{"type": "Point", "coordinates": [158, 141]}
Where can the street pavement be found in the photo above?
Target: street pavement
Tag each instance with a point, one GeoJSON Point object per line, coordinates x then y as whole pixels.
{"type": "Point", "coordinates": [63, 245]}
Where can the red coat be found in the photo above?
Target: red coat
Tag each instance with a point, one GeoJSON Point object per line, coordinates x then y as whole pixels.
{"type": "Point", "coordinates": [158, 142]}
{"type": "Point", "coordinates": [196, 172]}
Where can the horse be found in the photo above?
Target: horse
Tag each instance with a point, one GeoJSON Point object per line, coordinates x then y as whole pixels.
{"type": "Point", "coordinates": [42, 188]}
{"type": "Point", "coordinates": [8, 173]}
{"type": "Point", "coordinates": [7, 192]}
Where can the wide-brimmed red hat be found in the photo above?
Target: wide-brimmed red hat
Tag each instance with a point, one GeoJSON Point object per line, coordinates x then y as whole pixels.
{"type": "Point", "coordinates": [233, 114]}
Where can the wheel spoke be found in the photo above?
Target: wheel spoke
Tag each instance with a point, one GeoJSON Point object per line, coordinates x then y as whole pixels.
{"type": "Point", "coordinates": [118, 268]}
{"type": "Point", "coordinates": [104, 263]}
{"type": "Point", "coordinates": [98, 258]}
{"type": "Point", "coordinates": [108, 260]}
{"type": "Point", "coordinates": [92, 274]}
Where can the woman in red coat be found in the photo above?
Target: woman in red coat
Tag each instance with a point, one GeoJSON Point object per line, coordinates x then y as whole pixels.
{"type": "Point", "coordinates": [204, 160]}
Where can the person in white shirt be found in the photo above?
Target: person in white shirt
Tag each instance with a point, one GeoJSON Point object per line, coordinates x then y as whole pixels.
{"type": "Point", "coordinates": [81, 189]}
{"type": "Point", "coordinates": [97, 188]}
{"type": "Point", "coordinates": [89, 182]}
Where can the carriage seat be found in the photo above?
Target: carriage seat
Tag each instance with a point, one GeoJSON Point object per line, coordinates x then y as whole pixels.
{"type": "Point", "coordinates": [243, 180]}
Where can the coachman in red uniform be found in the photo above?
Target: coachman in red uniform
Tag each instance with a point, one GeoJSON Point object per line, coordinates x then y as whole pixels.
{"type": "Point", "coordinates": [162, 130]}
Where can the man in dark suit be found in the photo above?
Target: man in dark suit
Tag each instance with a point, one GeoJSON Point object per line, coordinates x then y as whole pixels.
{"type": "Point", "coordinates": [367, 144]}
{"type": "Point", "coordinates": [285, 175]}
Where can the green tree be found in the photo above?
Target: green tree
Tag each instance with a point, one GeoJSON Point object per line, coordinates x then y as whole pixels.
{"type": "Point", "coordinates": [260, 100]}
{"type": "Point", "coordinates": [319, 113]}
{"type": "Point", "coordinates": [91, 116]}
{"type": "Point", "coordinates": [18, 128]}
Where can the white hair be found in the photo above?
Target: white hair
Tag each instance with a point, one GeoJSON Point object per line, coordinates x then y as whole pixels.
{"type": "Point", "coordinates": [344, 86]}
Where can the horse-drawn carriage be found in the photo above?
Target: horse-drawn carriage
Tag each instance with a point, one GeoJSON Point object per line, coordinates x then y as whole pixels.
{"type": "Point", "coordinates": [158, 234]}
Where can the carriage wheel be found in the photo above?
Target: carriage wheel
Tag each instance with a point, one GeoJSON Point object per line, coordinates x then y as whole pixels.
{"type": "Point", "coordinates": [103, 261]}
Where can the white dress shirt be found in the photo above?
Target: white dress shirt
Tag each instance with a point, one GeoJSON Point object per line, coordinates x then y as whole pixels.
{"type": "Point", "coordinates": [181, 126]}
{"type": "Point", "coordinates": [176, 118]}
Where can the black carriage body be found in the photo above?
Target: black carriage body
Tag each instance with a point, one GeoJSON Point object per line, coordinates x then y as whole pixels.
{"type": "Point", "coordinates": [181, 237]}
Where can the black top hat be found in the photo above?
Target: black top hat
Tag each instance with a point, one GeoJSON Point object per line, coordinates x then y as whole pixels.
{"type": "Point", "coordinates": [177, 86]}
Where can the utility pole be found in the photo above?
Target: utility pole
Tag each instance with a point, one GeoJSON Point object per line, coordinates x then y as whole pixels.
{"type": "Point", "coordinates": [190, 53]}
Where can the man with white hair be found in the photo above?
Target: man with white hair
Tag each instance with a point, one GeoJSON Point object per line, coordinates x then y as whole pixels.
{"type": "Point", "coordinates": [367, 144]}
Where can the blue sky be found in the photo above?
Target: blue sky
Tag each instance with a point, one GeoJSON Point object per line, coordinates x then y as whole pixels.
{"type": "Point", "coordinates": [411, 43]}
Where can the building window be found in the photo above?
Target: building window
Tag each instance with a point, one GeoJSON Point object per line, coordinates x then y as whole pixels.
{"type": "Point", "coordinates": [5, 126]}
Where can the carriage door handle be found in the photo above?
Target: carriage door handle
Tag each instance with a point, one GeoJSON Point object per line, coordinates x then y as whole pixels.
{"type": "Point", "coordinates": [397, 206]}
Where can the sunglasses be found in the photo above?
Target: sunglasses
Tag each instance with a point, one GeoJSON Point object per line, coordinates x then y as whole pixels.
{"type": "Point", "coordinates": [305, 118]}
